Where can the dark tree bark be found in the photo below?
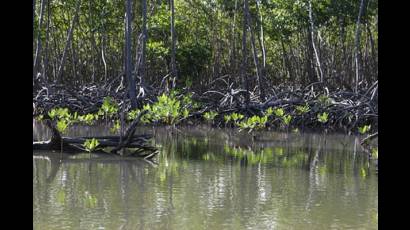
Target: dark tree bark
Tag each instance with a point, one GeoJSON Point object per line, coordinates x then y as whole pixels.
{"type": "Point", "coordinates": [173, 43]}
{"type": "Point", "coordinates": [144, 41]}
{"type": "Point", "coordinates": [357, 45]}
{"type": "Point", "coordinates": [128, 61]}
{"type": "Point", "coordinates": [68, 42]}
{"type": "Point", "coordinates": [244, 52]}
{"type": "Point", "coordinates": [255, 59]}
{"type": "Point", "coordinates": [312, 34]}
{"type": "Point", "coordinates": [38, 46]}
{"type": "Point", "coordinates": [46, 52]}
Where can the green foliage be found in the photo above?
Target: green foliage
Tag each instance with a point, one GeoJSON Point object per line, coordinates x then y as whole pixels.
{"type": "Point", "coordinates": [375, 153]}
{"type": "Point", "coordinates": [284, 22]}
{"type": "Point", "coordinates": [286, 119]}
{"type": "Point", "coordinates": [115, 127]}
{"type": "Point", "coordinates": [90, 200]}
{"type": "Point", "coordinates": [88, 118]}
{"type": "Point", "coordinates": [364, 129]}
{"type": "Point", "coordinates": [210, 116]}
{"type": "Point", "coordinates": [108, 108]}
{"type": "Point", "coordinates": [62, 126]}
{"type": "Point", "coordinates": [60, 114]}
{"type": "Point", "coordinates": [269, 112]}
{"type": "Point", "coordinates": [363, 172]}
{"type": "Point", "coordinates": [185, 113]}
{"type": "Point", "coordinates": [168, 110]}
{"type": "Point", "coordinates": [279, 112]}
{"type": "Point", "coordinates": [235, 117]}
{"type": "Point", "coordinates": [323, 117]}
{"type": "Point", "coordinates": [90, 145]}
{"type": "Point", "coordinates": [252, 123]}
{"type": "Point", "coordinates": [302, 109]}
{"type": "Point", "coordinates": [133, 114]}
{"type": "Point", "coordinates": [39, 117]}
{"type": "Point", "coordinates": [227, 118]}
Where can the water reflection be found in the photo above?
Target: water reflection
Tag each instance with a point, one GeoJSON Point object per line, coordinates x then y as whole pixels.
{"type": "Point", "coordinates": [206, 179]}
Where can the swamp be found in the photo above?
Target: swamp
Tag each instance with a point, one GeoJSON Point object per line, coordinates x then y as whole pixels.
{"type": "Point", "coordinates": [205, 114]}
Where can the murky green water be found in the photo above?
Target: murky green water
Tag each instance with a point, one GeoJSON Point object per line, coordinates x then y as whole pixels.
{"type": "Point", "coordinates": [210, 179]}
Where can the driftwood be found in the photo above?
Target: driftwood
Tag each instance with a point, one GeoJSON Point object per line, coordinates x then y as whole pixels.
{"type": "Point", "coordinates": [130, 144]}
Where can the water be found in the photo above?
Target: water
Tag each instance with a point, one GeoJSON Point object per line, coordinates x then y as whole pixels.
{"type": "Point", "coordinates": [209, 179]}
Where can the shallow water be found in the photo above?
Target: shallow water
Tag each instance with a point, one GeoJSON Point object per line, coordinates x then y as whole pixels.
{"type": "Point", "coordinates": [209, 179]}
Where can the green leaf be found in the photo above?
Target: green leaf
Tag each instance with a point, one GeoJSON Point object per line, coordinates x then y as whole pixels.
{"type": "Point", "coordinates": [62, 126]}
{"type": "Point", "coordinates": [286, 119]}
{"type": "Point", "coordinates": [364, 129]}
{"type": "Point", "coordinates": [300, 110]}
{"type": "Point", "coordinates": [269, 111]}
{"type": "Point", "coordinates": [323, 118]}
{"type": "Point", "coordinates": [91, 144]}
{"type": "Point", "coordinates": [185, 113]}
{"type": "Point", "coordinates": [279, 112]}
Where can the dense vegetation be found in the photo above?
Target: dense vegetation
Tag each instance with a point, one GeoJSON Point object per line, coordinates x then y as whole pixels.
{"type": "Point", "coordinates": [278, 63]}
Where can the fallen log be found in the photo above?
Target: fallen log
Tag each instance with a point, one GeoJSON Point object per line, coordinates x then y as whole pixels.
{"type": "Point", "coordinates": [135, 145]}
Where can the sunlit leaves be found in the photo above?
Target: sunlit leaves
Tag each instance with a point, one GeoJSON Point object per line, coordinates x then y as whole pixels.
{"type": "Point", "coordinates": [322, 117]}
{"type": "Point", "coordinates": [62, 126]}
{"type": "Point", "coordinates": [210, 116]}
{"type": "Point", "coordinates": [364, 129]}
{"type": "Point", "coordinates": [91, 144]}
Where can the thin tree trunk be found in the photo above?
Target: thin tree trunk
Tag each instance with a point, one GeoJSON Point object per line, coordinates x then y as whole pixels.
{"type": "Point", "coordinates": [357, 46]}
{"type": "Point", "coordinates": [128, 61]}
{"type": "Point", "coordinates": [262, 45]}
{"type": "Point", "coordinates": [144, 41]}
{"type": "Point", "coordinates": [68, 42]}
{"type": "Point", "coordinates": [173, 42]}
{"type": "Point", "coordinates": [233, 37]}
{"type": "Point", "coordinates": [309, 58]}
{"type": "Point", "coordinates": [38, 47]}
{"type": "Point", "coordinates": [46, 55]}
{"type": "Point", "coordinates": [255, 59]}
{"type": "Point", "coordinates": [244, 52]}
{"type": "Point", "coordinates": [312, 32]}
{"type": "Point", "coordinates": [103, 57]}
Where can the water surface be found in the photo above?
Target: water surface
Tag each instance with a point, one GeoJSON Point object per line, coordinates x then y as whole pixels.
{"type": "Point", "coordinates": [209, 179]}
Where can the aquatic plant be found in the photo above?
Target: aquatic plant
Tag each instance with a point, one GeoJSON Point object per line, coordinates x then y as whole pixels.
{"type": "Point", "coordinates": [235, 117]}
{"type": "Point", "coordinates": [210, 116]}
{"type": "Point", "coordinates": [375, 153]}
{"type": "Point", "coordinates": [62, 126]}
{"type": "Point", "coordinates": [279, 112]}
{"type": "Point", "coordinates": [227, 118]}
{"type": "Point", "coordinates": [166, 109]}
{"type": "Point", "coordinates": [286, 119]}
{"type": "Point", "coordinates": [252, 123]}
{"type": "Point", "coordinates": [115, 127]}
{"type": "Point", "coordinates": [59, 113]}
{"type": "Point", "coordinates": [269, 112]}
{"type": "Point", "coordinates": [323, 117]}
{"type": "Point", "coordinates": [39, 117]}
{"type": "Point", "coordinates": [88, 118]}
{"type": "Point", "coordinates": [91, 144]}
{"type": "Point", "coordinates": [108, 108]}
{"type": "Point", "coordinates": [185, 113]}
{"type": "Point", "coordinates": [302, 109]}
{"type": "Point", "coordinates": [364, 129]}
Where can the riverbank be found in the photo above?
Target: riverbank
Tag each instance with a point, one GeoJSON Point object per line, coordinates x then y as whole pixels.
{"type": "Point", "coordinates": [314, 108]}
